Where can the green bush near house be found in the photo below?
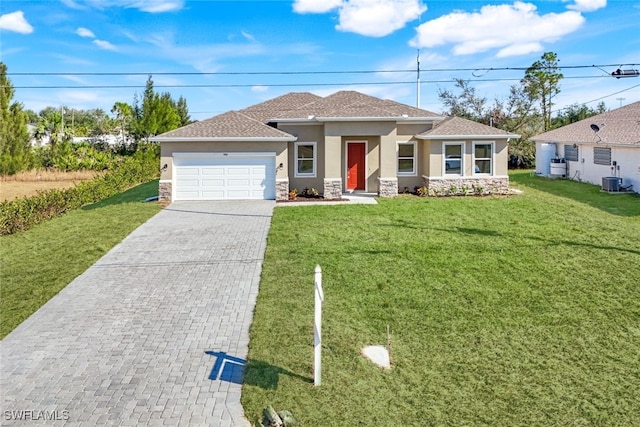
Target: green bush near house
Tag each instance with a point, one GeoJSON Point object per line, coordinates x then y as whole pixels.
{"type": "Point", "coordinates": [504, 311]}
{"type": "Point", "coordinates": [22, 214]}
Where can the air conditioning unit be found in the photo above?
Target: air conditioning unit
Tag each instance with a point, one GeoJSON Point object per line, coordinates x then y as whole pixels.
{"type": "Point", "coordinates": [611, 183]}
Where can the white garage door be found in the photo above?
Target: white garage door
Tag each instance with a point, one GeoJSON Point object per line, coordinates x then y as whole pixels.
{"type": "Point", "coordinates": [230, 176]}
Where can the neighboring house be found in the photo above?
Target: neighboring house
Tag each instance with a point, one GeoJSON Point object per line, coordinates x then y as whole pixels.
{"type": "Point", "coordinates": [345, 142]}
{"type": "Point", "coordinates": [603, 146]}
{"type": "Point", "coordinates": [35, 142]}
{"type": "Point", "coordinates": [103, 139]}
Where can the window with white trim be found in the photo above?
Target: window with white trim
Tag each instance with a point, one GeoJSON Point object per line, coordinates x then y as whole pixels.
{"type": "Point", "coordinates": [483, 158]}
{"type": "Point", "coordinates": [453, 154]}
{"type": "Point", "coordinates": [407, 159]}
{"type": "Point", "coordinates": [305, 153]}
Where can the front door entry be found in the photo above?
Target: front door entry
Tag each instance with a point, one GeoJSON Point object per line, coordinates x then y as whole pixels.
{"type": "Point", "coordinates": [356, 165]}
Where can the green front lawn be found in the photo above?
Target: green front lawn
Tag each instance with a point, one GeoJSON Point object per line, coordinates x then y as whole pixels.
{"type": "Point", "coordinates": [520, 310]}
{"type": "Point", "coordinates": [38, 263]}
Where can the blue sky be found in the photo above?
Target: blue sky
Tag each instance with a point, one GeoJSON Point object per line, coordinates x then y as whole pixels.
{"type": "Point", "coordinates": [214, 46]}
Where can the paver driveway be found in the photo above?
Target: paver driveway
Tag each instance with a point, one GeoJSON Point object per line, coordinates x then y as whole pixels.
{"type": "Point", "coordinates": [140, 338]}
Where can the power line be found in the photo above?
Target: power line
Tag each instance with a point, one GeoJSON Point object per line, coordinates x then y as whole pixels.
{"type": "Point", "coordinates": [601, 98]}
{"type": "Point", "coordinates": [288, 73]}
{"type": "Point", "coordinates": [230, 85]}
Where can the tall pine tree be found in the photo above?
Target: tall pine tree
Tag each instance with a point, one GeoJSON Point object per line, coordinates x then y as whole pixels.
{"type": "Point", "coordinates": [15, 148]}
{"type": "Point", "coordinates": [542, 83]}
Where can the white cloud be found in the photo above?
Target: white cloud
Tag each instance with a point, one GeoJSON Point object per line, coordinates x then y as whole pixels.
{"type": "Point", "coordinates": [156, 6]}
{"type": "Point", "coordinates": [516, 29]}
{"type": "Point", "coordinates": [377, 18]}
{"type": "Point", "coordinates": [84, 32]}
{"type": "Point", "coordinates": [587, 5]}
{"type": "Point", "coordinates": [247, 36]}
{"type": "Point", "coordinates": [73, 5]}
{"type": "Point", "coordinates": [150, 6]}
{"type": "Point", "coordinates": [315, 6]}
{"type": "Point", "coordinates": [259, 88]}
{"type": "Point", "coordinates": [15, 22]}
{"type": "Point", "coordinates": [103, 44]}
{"type": "Point", "coordinates": [372, 18]}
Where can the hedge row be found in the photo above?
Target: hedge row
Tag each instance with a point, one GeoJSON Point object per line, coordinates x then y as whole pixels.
{"type": "Point", "coordinates": [22, 214]}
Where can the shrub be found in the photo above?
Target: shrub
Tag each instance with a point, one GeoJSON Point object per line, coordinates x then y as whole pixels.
{"type": "Point", "coordinates": [422, 191]}
{"type": "Point", "coordinates": [309, 193]}
{"type": "Point", "coordinates": [22, 214]}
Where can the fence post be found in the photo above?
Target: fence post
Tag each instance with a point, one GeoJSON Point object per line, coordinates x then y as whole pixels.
{"type": "Point", "coordinates": [319, 297]}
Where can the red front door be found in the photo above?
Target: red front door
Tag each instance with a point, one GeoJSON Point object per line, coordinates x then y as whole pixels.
{"type": "Point", "coordinates": [355, 166]}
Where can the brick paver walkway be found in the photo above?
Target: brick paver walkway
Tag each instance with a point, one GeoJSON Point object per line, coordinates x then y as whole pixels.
{"type": "Point", "coordinates": [135, 339]}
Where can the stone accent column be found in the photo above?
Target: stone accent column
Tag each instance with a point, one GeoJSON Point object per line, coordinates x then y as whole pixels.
{"type": "Point", "coordinates": [388, 187]}
{"type": "Point", "coordinates": [476, 186]}
{"type": "Point", "coordinates": [332, 188]}
{"type": "Point", "coordinates": [282, 189]}
{"type": "Point", "coordinates": [164, 191]}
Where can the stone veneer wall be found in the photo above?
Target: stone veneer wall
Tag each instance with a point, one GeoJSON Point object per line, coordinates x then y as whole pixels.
{"type": "Point", "coordinates": [332, 188]}
{"type": "Point", "coordinates": [388, 187]}
{"type": "Point", "coordinates": [282, 189]}
{"type": "Point", "coordinates": [164, 191]}
{"type": "Point", "coordinates": [472, 186]}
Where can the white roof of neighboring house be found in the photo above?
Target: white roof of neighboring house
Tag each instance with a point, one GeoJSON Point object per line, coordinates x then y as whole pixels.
{"type": "Point", "coordinates": [619, 126]}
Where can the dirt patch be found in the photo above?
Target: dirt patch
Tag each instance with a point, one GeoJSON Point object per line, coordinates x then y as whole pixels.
{"type": "Point", "coordinates": [25, 184]}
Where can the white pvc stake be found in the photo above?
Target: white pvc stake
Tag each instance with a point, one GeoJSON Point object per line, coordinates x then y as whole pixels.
{"type": "Point", "coordinates": [319, 297]}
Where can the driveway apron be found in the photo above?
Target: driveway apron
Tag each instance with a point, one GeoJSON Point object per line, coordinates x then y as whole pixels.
{"type": "Point", "coordinates": [155, 333]}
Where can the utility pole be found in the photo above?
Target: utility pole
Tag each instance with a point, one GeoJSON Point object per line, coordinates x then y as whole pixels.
{"type": "Point", "coordinates": [418, 82]}
{"type": "Point", "coordinates": [620, 99]}
{"type": "Point", "coordinates": [62, 121]}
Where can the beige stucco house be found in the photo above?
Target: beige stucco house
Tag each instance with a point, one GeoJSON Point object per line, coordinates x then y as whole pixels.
{"type": "Point", "coordinates": [345, 142]}
{"type": "Point", "coordinates": [602, 150]}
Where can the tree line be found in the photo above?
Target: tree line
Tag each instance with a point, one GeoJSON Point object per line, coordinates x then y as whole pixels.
{"type": "Point", "coordinates": [54, 129]}
{"type": "Point", "coordinates": [526, 111]}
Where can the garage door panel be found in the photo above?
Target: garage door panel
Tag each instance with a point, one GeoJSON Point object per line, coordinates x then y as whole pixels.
{"type": "Point", "coordinates": [239, 194]}
{"type": "Point", "coordinates": [187, 195]}
{"type": "Point", "coordinates": [244, 183]}
{"type": "Point", "coordinates": [213, 194]}
{"type": "Point", "coordinates": [208, 171]}
{"type": "Point", "coordinates": [190, 183]}
{"type": "Point", "coordinates": [188, 171]}
{"type": "Point", "coordinates": [211, 182]}
{"type": "Point", "coordinates": [239, 171]}
{"type": "Point", "coordinates": [232, 177]}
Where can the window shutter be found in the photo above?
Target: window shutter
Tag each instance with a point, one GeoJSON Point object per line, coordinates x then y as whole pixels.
{"type": "Point", "coordinates": [602, 156]}
{"type": "Point", "coordinates": [571, 153]}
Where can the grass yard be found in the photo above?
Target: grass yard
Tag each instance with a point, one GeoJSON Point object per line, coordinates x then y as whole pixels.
{"type": "Point", "coordinates": [38, 263]}
{"type": "Point", "coordinates": [504, 311]}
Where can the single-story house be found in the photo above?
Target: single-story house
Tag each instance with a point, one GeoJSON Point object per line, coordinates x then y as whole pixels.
{"type": "Point", "coordinates": [344, 142]}
{"type": "Point", "coordinates": [606, 146]}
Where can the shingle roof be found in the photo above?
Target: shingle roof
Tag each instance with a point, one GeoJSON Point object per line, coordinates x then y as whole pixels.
{"type": "Point", "coordinates": [345, 104]}
{"type": "Point", "coordinates": [281, 106]}
{"type": "Point", "coordinates": [228, 125]}
{"type": "Point", "coordinates": [619, 126]}
{"type": "Point", "coordinates": [454, 127]}
{"type": "Point", "coordinates": [251, 122]}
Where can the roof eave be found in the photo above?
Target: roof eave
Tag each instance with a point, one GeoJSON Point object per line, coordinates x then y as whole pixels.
{"type": "Point", "coordinates": [582, 142]}
{"type": "Point", "coordinates": [314, 119]}
{"type": "Point", "coordinates": [225, 139]}
{"type": "Point", "coordinates": [462, 136]}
